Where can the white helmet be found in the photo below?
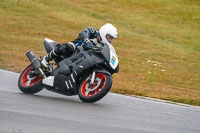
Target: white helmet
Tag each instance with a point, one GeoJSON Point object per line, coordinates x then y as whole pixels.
{"type": "Point", "coordinates": [108, 33]}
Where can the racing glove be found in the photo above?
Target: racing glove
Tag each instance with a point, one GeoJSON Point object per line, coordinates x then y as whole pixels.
{"type": "Point", "coordinates": [87, 44]}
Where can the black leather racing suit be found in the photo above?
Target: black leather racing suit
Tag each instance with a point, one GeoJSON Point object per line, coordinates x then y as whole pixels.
{"type": "Point", "coordinates": [68, 48]}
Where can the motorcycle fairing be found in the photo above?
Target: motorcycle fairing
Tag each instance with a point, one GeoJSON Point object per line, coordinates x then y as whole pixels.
{"type": "Point", "coordinates": [114, 61]}
{"type": "Point", "coordinates": [48, 81]}
{"type": "Point", "coordinates": [110, 55]}
{"type": "Point", "coordinates": [61, 84]}
{"type": "Point", "coordinates": [79, 63]}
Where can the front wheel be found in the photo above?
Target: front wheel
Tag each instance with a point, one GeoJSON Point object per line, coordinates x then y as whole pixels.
{"type": "Point", "coordinates": [29, 84]}
{"type": "Point", "coordinates": [93, 92]}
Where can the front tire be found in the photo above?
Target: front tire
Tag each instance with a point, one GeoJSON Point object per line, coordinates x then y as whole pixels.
{"type": "Point", "coordinates": [92, 93]}
{"type": "Point", "coordinates": [29, 84]}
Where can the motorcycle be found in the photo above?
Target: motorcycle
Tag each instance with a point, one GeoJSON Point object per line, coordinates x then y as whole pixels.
{"type": "Point", "coordinates": [87, 73]}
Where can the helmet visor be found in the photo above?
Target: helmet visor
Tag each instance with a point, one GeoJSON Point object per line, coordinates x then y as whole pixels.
{"type": "Point", "coordinates": [110, 38]}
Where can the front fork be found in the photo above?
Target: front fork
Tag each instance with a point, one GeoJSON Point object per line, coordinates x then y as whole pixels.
{"type": "Point", "coordinates": [93, 77]}
{"type": "Point", "coordinates": [42, 72]}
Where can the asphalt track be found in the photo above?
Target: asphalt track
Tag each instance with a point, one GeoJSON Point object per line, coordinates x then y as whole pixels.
{"type": "Point", "coordinates": [48, 112]}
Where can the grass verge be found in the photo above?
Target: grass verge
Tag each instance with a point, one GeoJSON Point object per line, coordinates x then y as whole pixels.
{"type": "Point", "coordinates": [158, 44]}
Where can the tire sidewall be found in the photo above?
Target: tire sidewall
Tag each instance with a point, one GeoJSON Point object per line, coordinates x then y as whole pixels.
{"type": "Point", "coordinates": [100, 94]}
{"type": "Point", "coordinates": [29, 89]}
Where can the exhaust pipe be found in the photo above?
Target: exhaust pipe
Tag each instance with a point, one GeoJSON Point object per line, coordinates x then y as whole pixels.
{"type": "Point", "coordinates": [35, 62]}
{"type": "Point", "coordinates": [33, 59]}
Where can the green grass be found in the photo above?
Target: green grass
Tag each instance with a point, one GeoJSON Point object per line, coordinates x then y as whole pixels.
{"type": "Point", "coordinates": [158, 44]}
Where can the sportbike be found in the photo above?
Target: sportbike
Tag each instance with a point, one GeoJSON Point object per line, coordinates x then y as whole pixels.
{"type": "Point", "coordinates": [87, 73]}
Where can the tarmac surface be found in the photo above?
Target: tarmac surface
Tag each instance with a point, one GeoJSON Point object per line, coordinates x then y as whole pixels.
{"type": "Point", "coordinates": [48, 112]}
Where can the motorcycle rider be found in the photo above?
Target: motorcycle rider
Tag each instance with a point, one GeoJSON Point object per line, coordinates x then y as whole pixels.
{"type": "Point", "coordinates": [89, 38]}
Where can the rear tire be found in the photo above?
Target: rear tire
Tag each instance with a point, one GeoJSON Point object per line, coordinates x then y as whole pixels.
{"type": "Point", "coordinates": [92, 93]}
{"type": "Point", "coordinates": [29, 84]}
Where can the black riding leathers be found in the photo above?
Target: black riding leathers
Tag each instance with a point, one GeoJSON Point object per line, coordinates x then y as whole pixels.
{"type": "Point", "coordinates": [68, 48]}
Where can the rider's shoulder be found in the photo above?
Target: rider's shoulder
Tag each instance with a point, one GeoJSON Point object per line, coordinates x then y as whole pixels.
{"type": "Point", "coordinates": [92, 29]}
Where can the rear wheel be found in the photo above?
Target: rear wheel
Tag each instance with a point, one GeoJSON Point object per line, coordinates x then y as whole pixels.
{"type": "Point", "coordinates": [28, 83]}
{"type": "Point", "coordinates": [93, 92]}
